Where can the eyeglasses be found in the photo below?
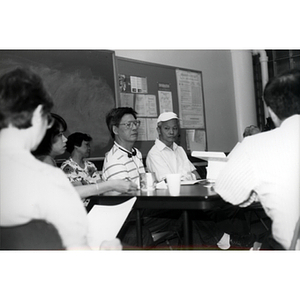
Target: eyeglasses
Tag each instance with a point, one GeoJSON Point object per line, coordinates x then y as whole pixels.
{"type": "Point", "coordinates": [50, 121]}
{"type": "Point", "coordinates": [129, 124]}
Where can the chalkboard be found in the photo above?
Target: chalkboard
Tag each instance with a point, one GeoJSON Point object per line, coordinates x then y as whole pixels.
{"type": "Point", "coordinates": [156, 76]}
{"type": "Point", "coordinates": [82, 85]}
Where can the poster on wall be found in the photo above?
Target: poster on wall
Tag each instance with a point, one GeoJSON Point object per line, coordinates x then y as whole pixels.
{"type": "Point", "coordinates": [147, 130]}
{"type": "Point", "coordinates": [138, 84]}
{"type": "Point", "coordinates": [145, 105]}
{"type": "Point", "coordinates": [191, 108]}
{"type": "Point", "coordinates": [165, 101]}
{"type": "Point", "coordinates": [124, 83]}
{"type": "Point", "coordinates": [196, 140]}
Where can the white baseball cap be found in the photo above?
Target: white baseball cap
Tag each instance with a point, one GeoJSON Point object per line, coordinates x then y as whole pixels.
{"type": "Point", "coordinates": [166, 116]}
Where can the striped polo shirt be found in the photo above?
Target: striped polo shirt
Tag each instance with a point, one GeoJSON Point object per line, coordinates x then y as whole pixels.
{"type": "Point", "coordinates": [117, 165]}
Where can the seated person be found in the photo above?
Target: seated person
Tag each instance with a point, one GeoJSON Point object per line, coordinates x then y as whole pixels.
{"type": "Point", "coordinates": [54, 143]}
{"type": "Point", "coordinates": [166, 157]}
{"type": "Point", "coordinates": [212, 227]}
{"type": "Point", "coordinates": [265, 167]}
{"type": "Point", "coordinates": [124, 161]}
{"type": "Point", "coordinates": [251, 130]}
{"type": "Point", "coordinates": [79, 170]}
{"type": "Point", "coordinates": [32, 190]}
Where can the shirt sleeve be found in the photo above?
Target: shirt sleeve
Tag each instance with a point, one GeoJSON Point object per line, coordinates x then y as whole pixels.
{"type": "Point", "coordinates": [237, 180]}
{"type": "Point", "coordinates": [156, 164]}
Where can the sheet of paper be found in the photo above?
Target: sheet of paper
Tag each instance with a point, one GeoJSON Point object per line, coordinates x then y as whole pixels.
{"type": "Point", "coordinates": [151, 129]}
{"type": "Point", "coordinates": [105, 221]}
{"type": "Point", "coordinates": [138, 84]}
{"type": "Point", "coordinates": [195, 140]}
{"type": "Point", "coordinates": [191, 107]}
{"type": "Point", "coordinates": [145, 105]}
{"type": "Point", "coordinates": [189, 182]}
{"type": "Point", "coordinates": [151, 106]}
{"type": "Point", "coordinates": [165, 101]}
{"type": "Point", "coordinates": [210, 155]}
{"type": "Point", "coordinates": [142, 130]}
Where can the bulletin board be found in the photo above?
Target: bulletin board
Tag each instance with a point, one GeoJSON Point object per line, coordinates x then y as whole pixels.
{"type": "Point", "coordinates": [154, 88]}
{"type": "Point", "coordinates": [82, 85]}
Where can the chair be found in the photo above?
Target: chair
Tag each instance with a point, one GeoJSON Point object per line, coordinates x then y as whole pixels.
{"type": "Point", "coordinates": [165, 237]}
{"type": "Point", "coordinates": [34, 235]}
{"type": "Point", "coordinates": [296, 236]}
{"type": "Point", "coordinates": [256, 210]}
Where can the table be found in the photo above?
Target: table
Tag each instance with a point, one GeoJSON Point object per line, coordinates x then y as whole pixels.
{"type": "Point", "coordinates": [200, 196]}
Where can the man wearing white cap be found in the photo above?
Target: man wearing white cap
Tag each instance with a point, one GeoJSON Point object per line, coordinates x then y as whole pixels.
{"type": "Point", "coordinates": [166, 156]}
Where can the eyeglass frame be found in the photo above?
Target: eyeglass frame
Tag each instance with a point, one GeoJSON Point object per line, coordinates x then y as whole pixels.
{"type": "Point", "coordinates": [129, 124]}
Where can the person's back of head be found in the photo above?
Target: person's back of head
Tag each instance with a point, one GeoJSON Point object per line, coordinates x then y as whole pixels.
{"type": "Point", "coordinates": [114, 117]}
{"type": "Point", "coordinates": [282, 94]}
{"type": "Point", "coordinates": [251, 130]}
{"type": "Point", "coordinates": [76, 139]}
{"type": "Point", "coordinates": [21, 92]}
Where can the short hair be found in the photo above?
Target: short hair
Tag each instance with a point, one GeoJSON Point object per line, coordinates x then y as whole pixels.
{"type": "Point", "coordinates": [21, 92]}
{"type": "Point", "coordinates": [76, 139]}
{"type": "Point", "coordinates": [282, 94]}
{"type": "Point", "coordinates": [251, 130]}
{"type": "Point", "coordinates": [115, 115]}
{"type": "Point", "coordinates": [49, 139]}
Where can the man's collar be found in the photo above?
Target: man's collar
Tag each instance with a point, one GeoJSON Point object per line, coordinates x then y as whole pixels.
{"type": "Point", "coordinates": [161, 146]}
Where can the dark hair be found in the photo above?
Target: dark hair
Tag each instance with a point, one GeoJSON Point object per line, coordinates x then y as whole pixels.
{"type": "Point", "coordinates": [45, 145]}
{"type": "Point", "coordinates": [251, 130]}
{"type": "Point", "coordinates": [76, 139]}
{"type": "Point", "coordinates": [21, 92]}
{"type": "Point", "coordinates": [114, 117]}
{"type": "Point", "coordinates": [282, 94]}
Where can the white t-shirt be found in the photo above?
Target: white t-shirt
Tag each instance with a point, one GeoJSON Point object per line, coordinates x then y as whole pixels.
{"type": "Point", "coordinates": [31, 189]}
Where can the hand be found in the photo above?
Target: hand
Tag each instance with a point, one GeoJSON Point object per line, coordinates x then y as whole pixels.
{"type": "Point", "coordinates": [188, 177]}
{"type": "Point", "coordinates": [114, 244]}
{"type": "Point", "coordinates": [123, 186]}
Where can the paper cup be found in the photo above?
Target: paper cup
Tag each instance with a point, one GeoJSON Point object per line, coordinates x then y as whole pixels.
{"type": "Point", "coordinates": [173, 181]}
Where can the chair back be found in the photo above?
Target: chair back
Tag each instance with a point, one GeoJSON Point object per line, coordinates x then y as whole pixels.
{"type": "Point", "coordinates": [34, 235]}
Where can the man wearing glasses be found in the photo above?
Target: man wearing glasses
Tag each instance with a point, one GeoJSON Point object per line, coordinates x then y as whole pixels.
{"type": "Point", "coordinates": [123, 161]}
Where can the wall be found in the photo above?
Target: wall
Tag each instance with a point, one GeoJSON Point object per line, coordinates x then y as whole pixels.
{"type": "Point", "coordinates": [219, 94]}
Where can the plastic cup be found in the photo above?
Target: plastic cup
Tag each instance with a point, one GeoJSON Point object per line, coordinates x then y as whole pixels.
{"type": "Point", "coordinates": [147, 181]}
{"type": "Point", "coordinates": [173, 181]}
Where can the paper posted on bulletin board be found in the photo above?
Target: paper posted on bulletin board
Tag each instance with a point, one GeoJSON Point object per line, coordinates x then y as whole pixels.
{"type": "Point", "coordinates": [196, 140]}
{"type": "Point", "coordinates": [191, 108]}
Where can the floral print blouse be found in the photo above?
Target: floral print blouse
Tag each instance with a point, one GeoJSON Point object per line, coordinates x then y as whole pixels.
{"type": "Point", "coordinates": [87, 175]}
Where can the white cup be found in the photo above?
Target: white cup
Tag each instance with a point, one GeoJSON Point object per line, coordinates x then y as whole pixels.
{"type": "Point", "coordinates": [173, 181]}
